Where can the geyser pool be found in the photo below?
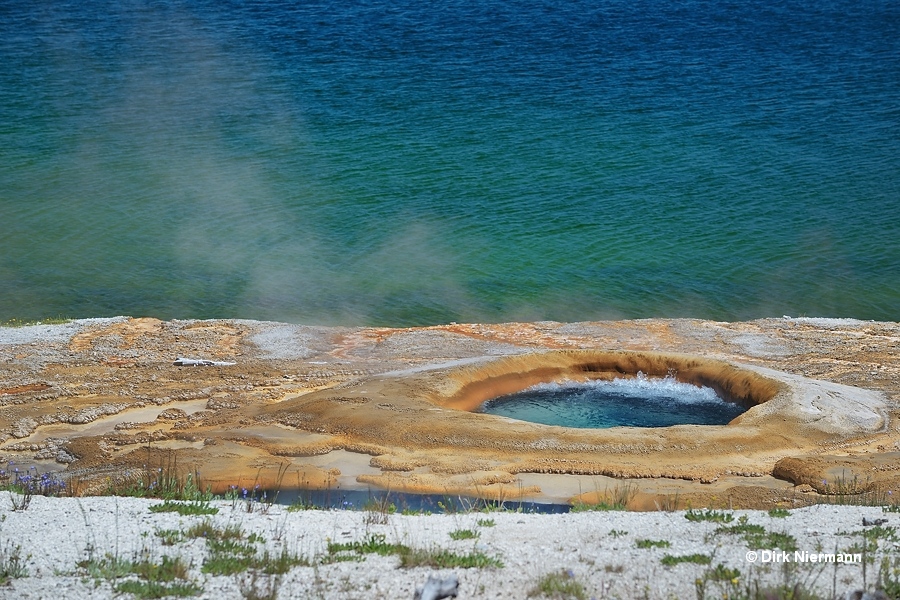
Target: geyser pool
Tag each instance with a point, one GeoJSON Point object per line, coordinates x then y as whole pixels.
{"type": "Point", "coordinates": [634, 402]}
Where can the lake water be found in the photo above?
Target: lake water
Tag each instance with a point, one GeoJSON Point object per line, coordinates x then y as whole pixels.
{"type": "Point", "coordinates": [404, 163]}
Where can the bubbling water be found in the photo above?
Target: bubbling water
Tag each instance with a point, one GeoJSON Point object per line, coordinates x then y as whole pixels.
{"type": "Point", "coordinates": [633, 402]}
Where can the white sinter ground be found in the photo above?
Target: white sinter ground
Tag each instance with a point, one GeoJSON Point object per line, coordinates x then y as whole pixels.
{"type": "Point", "coordinates": [599, 550]}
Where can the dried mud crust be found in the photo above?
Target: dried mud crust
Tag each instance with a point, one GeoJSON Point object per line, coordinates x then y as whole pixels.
{"type": "Point", "coordinates": [102, 397]}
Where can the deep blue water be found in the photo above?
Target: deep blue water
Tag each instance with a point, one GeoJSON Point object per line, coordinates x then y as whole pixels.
{"type": "Point", "coordinates": [640, 402]}
{"type": "Point", "coordinates": [405, 162]}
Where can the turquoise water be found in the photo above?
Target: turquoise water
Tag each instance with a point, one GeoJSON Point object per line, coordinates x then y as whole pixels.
{"type": "Point", "coordinates": [404, 163]}
{"type": "Point", "coordinates": [640, 402]}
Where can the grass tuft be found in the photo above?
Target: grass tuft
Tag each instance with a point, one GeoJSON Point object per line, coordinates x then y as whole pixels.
{"type": "Point", "coordinates": [208, 530]}
{"type": "Point", "coordinates": [169, 537]}
{"type": "Point", "coordinates": [231, 552]}
{"type": "Point", "coordinates": [559, 585]}
{"type": "Point", "coordinates": [714, 516]}
{"type": "Point", "coordinates": [12, 563]}
{"type": "Point", "coordinates": [652, 544]}
{"type": "Point", "coordinates": [154, 580]}
{"type": "Point", "coordinates": [155, 589]}
{"type": "Point", "coordinates": [253, 587]}
{"type": "Point", "coordinates": [444, 559]}
{"type": "Point", "coordinates": [409, 557]}
{"type": "Point", "coordinates": [697, 559]}
{"type": "Point", "coordinates": [165, 481]}
{"type": "Point", "coordinates": [185, 509]}
{"type": "Point", "coordinates": [379, 510]}
{"type": "Point", "coordinates": [108, 567]}
{"type": "Point", "coordinates": [374, 544]}
{"type": "Point", "coordinates": [464, 534]}
{"type": "Point", "coordinates": [756, 536]}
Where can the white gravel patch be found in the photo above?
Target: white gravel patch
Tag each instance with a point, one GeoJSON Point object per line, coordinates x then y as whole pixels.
{"type": "Point", "coordinates": [598, 549]}
{"type": "Point", "coordinates": [57, 333]}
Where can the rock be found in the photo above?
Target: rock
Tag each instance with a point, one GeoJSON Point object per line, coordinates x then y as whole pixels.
{"type": "Point", "coordinates": [436, 588]}
{"type": "Point", "coordinates": [171, 414]}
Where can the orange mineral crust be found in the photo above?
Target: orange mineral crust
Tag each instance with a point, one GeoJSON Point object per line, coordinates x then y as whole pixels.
{"type": "Point", "coordinates": [289, 406]}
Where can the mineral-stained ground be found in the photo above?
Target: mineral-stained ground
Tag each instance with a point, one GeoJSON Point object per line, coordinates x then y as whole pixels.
{"type": "Point", "coordinates": [377, 408]}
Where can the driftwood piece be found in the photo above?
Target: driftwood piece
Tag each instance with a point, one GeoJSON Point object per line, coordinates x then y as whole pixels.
{"type": "Point", "coordinates": [436, 588]}
{"type": "Point", "coordinates": [200, 362]}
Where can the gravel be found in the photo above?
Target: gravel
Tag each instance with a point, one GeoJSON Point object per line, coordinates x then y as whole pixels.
{"type": "Point", "coordinates": [595, 549]}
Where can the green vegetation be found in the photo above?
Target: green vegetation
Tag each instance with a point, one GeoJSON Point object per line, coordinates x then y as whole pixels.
{"type": "Point", "coordinates": [652, 544]}
{"type": "Point", "coordinates": [230, 557]}
{"type": "Point", "coordinates": [888, 534]}
{"type": "Point", "coordinates": [409, 557]}
{"type": "Point", "coordinates": [254, 587]}
{"type": "Point", "coordinates": [379, 510]}
{"type": "Point", "coordinates": [714, 516]}
{"type": "Point", "coordinates": [169, 569]}
{"type": "Point", "coordinates": [26, 483]}
{"type": "Point", "coordinates": [743, 527]}
{"type": "Point", "coordinates": [300, 505]}
{"type": "Point", "coordinates": [164, 481]}
{"type": "Point", "coordinates": [779, 513]}
{"type": "Point", "coordinates": [231, 552]}
{"type": "Point", "coordinates": [169, 537]}
{"type": "Point", "coordinates": [756, 536]}
{"type": "Point", "coordinates": [559, 585]}
{"type": "Point", "coordinates": [722, 573]}
{"type": "Point", "coordinates": [889, 577]}
{"type": "Point", "coordinates": [409, 512]}
{"type": "Point", "coordinates": [155, 589]}
{"type": "Point", "coordinates": [870, 538]}
{"type": "Point", "coordinates": [464, 534]}
{"type": "Point", "coordinates": [108, 567]}
{"type": "Point", "coordinates": [485, 522]}
{"type": "Point", "coordinates": [697, 559]}
{"type": "Point", "coordinates": [227, 557]}
{"type": "Point", "coordinates": [154, 580]}
{"type": "Point", "coordinates": [12, 563]}
{"type": "Point", "coordinates": [185, 509]}
{"type": "Point", "coordinates": [208, 530]}
{"type": "Point", "coordinates": [159, 580]}
{"type": "Point", "coordinates": [731, 585]}
{"type": "Point", "coordinates": [374, 544]}
{"type": "Point", "coordinates": [444, 559]}
{"type": "Point", "coordinates": [854, 491]}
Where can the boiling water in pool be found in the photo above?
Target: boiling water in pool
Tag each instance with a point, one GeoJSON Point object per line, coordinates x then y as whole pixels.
{"type": "Point", "coordinates": [638, 402]}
